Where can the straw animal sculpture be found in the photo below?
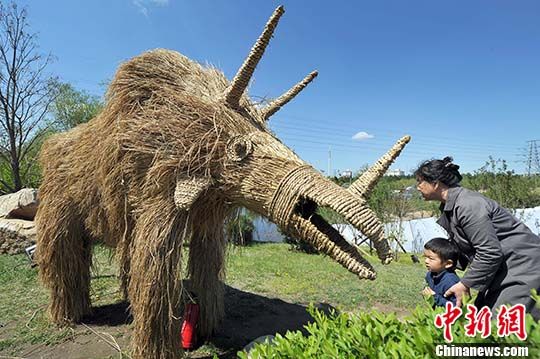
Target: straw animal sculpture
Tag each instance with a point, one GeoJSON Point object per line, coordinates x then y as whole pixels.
{"type": "Point", "coordinates": [175, 150]}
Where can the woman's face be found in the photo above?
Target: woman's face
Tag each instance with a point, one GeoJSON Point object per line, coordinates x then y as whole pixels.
{"type": "Point", "coordinates": [427, 189]}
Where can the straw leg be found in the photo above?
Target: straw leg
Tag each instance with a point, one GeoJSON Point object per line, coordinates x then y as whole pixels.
{"type": "Point", "coordinates": [155, 285]}
{"type": "Point", "coordinates": [124, 262]}
{"type": "Point", "coordinates": [206, 266]}
{"type": "Point", "coordinates": [64, 254]}
{"type": "Point", "coordinates": [123, 249]}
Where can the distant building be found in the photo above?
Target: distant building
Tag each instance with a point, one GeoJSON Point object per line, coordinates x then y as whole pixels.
{"type": "Point", "coordinates": [396, 172]}
{"type": "Point", "coordinates": [346, 174]}
{"type": "Point", "coordinates": [405, 193]}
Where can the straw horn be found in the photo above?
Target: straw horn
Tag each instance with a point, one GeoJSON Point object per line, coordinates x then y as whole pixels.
{"type": "Point", "coordinates": [282, 100]}
{"type": "Point", "coordinates": [367, 181]}
{"type": "Point", "coordinates": [242, 77]}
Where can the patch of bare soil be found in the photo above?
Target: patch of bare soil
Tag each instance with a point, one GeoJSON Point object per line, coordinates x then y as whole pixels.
{"type": "Point", "coordinates": [107, 332]}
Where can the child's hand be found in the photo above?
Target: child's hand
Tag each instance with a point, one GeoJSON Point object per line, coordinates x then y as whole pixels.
{"type": "Point", "coordinates": [428, 292]}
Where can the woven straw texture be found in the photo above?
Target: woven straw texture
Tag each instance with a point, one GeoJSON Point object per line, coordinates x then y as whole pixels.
{"type": "Point", "coordinates": [175, 152]}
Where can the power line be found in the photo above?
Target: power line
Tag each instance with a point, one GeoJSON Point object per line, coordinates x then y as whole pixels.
{"type": "Point", "coordinates": [533, 161]}
{"type": "Point", "coordinates": [436, 141]}
{"type": "Point", "coordinates": [412, 148]}
{"type": "Point", "coordinates": [306, 123]}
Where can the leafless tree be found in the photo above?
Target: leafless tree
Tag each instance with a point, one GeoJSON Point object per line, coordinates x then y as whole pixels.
{"type": "Point", "coordinates": [25, 95]}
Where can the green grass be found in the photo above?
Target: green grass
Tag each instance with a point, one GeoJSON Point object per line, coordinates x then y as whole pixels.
{"type": "Point", "coordinates": [22, 305]}
{"type": "Point", "coordinates": [23, 300]}
{"type": "Point", "coordinates": [267, 269]}
{"type": "Point", "coordinates": [274, 270]}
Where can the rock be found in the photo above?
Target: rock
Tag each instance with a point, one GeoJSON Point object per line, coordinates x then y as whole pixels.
{"type": "Point", "coordinates": [258, 340]}
{"type": "Point", "coordinates": [22, 204]}
{"type": "Point", "coordinates": [16, 235]}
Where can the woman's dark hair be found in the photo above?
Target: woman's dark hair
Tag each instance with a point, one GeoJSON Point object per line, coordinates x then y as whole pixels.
{"type": "Point", "coordinates": [444, 249]}
{"type": "Point", "coordinates": [440, 170]}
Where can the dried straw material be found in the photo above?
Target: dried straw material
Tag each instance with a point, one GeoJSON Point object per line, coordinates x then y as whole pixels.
{"type": "Point", "coordinates": [305, 183]}
{"type": "Point", "coordinates": [206, 265]}
{"type": "Point", "coordinates": [281, 101]}
{"type": "Point", "coordinates": [187, 191]}
{"type": "Point", "coordinates": [68, 252]}
{"type": "Point", "coordinates": [368, 180]}
{"type": "Point", "coordinates": [164, 165]}
{"type": "Point", "coordinates": [241, 80]}
{"type": "Point", "coordinates": [239, 148]}
{"type": "Point", "coordinates": [155, 285]}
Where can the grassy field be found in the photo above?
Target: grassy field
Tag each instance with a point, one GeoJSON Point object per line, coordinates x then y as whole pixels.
{"type": "Point", "coordinates": [274, 270]}
{"type": "Point", "coordinates": [23, 301]}
{"type": "Point", "coordinates": [268, 270]}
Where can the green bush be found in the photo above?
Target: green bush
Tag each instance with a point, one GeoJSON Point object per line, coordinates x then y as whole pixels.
{"type": "Point", "coordinates": [496, 181]}
{"type": "Point", "coordinates": [374, 334]}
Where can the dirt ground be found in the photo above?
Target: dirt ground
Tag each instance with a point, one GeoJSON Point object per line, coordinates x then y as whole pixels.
{"type": "Point", "coordinates": [248, 316]}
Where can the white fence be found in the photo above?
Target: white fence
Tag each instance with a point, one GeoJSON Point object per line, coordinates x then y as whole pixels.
{"type": "Point", "coordinates": [412, 234]}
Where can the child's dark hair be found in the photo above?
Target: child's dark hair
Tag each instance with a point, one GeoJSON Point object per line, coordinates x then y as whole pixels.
{"type": "Point", "coordinates": [439, 170]}
{"type": "Point", "coordinates": [444, 248]}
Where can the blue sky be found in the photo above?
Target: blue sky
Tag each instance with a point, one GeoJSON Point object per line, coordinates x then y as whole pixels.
{"type": "Point", "coordinates": [461, 77]}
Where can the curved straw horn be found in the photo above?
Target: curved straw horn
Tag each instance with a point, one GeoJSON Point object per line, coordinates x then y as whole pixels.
{"type": "Point", "coordinates": [365, 184]}
{"type": "Point", "coordinates": [282, 100]}
{"type": "Point", "coordinates": [242, 77]}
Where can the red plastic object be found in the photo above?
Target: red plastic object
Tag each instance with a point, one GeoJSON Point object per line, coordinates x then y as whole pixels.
{"type": "Point", "coordinates": [188, 335]}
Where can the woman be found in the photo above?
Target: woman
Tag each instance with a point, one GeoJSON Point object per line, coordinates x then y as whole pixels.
{"type": "Point", "coordinates": [502, 254]}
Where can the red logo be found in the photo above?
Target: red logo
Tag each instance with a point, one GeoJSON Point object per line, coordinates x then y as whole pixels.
{"type": "Point", "coordinates": [478, 322]}
{"type": "Point", "coordinates": [448, 318]}
{"type": "Point", "coordinates": [510, 320]}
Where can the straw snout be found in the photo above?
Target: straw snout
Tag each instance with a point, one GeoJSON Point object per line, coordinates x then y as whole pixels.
{"type": "Point", "coordinates": [354, 210]}
{"type": "Point", "coordinates": [367, 222]}
{"type": "Point", "coordinates": [295, 208]}
{"type": "Point", "coordinates": [326, 239]}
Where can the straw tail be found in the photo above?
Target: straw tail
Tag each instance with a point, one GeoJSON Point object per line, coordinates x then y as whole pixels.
{"type": "Point", "coordinates": [281, 101]}
{"type": "Point", "coordinates": [242, 77]}
{"type": "Point", "coordinates": [368, 180]}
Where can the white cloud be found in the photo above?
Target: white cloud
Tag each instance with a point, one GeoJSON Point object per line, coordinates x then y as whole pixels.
{"type": "Point", "coordinates": [360, 136]}
{"type": "Point", "coordinates": [142, 5]}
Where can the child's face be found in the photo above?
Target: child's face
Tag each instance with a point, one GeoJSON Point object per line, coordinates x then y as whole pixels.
{"type": "Point", "coordinates": [434, 263]}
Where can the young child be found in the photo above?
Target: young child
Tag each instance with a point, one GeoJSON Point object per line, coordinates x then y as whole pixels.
{"type": "Point", "coordinates": [441, 257]}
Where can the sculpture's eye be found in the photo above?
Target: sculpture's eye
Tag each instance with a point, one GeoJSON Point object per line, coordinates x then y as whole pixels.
{"type": "Point", "coordinates": [239, 148]}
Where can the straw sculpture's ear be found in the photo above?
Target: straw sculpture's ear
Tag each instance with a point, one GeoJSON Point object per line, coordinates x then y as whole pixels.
{"type": "Point", "coordinates": [282, 100]}
{"type": "Point", "coordinates": [188, 190]}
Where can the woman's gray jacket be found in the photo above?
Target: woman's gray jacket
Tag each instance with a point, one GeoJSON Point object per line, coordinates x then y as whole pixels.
{"type": "Point", "coordinates": [500, 250]}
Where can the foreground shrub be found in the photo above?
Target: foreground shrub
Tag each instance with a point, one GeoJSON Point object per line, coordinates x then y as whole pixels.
{"type": "Point", "coordinates": [378, 335]}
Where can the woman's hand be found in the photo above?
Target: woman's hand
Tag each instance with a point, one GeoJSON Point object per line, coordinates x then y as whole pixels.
{"type": "Point", "coordinates": [428, 292]}
{"type": "Point", "coordinates": [459, 290]}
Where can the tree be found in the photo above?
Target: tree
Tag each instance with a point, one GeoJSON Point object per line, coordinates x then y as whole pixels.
{"type": "Point", "coordinates": [239, 227]}
{"type": "Point", "coordinates": [496, 181]}
{"type": "Point", "coordinates": [72, 107]}
{"type": "Point", "coordinates": [25, 95]}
